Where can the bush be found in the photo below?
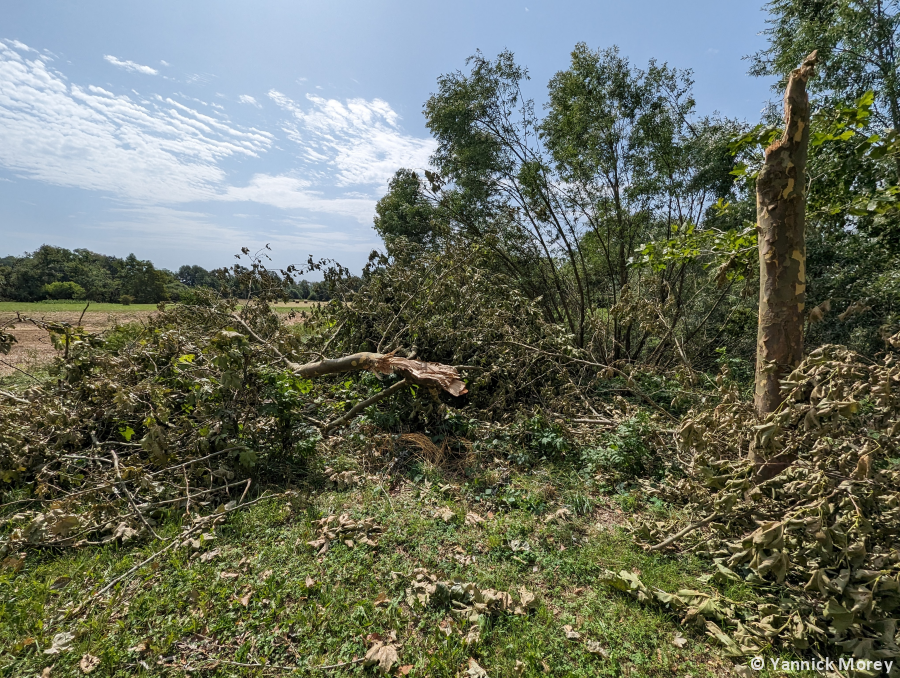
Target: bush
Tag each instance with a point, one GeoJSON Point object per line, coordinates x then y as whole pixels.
{"type": "Point", "coordinates": [126, 300]}
{"type": "Point", "coordinates": [64, 290]}
{"type": "Point", "coordinates": [623, 452]}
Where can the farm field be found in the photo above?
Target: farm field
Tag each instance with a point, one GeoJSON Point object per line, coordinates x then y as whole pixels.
{"type": "Point", "coordinates": [34, 350]}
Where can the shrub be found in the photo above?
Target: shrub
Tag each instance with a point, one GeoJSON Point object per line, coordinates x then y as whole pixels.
{"type": "Point", "coordinates": [64, 290]}
{"type": "Point", "coordinates": [623, 452]}
{"type": "Point", "coordinates": [126, 300]}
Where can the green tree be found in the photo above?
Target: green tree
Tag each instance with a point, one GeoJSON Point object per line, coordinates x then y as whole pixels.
{"type": "Point", "coordinates": [142, 281]}
{"type": "Point", "coordinates": [562, 203]}
{"type": "Point", "coordinates": [405, 212]}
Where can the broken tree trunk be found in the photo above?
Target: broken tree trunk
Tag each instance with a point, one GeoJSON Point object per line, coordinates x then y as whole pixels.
{"type": "Point", "coordinates": [419, 372]}
{"type": "Point", "coordinates": [431, 375]}
{"type": "Point", "coordinates": [780, 214]}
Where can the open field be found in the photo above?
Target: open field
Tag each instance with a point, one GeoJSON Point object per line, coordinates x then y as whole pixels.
{"type": "Point", "coordinates": [41, 307]}
{"type": "Point", "coordinates": [34, 349]}
{"type": "Point", "coordinates": [257, 600]}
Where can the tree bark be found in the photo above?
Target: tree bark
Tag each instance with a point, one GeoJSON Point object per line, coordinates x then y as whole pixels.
{"type": "Point", "coordinates": [781, 216]}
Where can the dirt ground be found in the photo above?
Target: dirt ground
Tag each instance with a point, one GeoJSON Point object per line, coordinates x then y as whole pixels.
{"type": "Point", "coordinates": [34, 349]}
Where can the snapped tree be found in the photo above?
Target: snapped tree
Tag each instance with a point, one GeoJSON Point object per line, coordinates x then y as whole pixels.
{"type": "Point", "coordinates": [780, 213]}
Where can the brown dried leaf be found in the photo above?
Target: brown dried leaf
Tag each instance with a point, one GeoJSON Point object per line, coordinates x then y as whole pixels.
{"type": "Point", "coordinates": [88, 663]}
{"type": "Point", "coordinates": [383, 656]}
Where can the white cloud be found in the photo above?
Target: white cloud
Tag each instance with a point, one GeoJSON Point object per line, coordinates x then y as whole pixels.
{"type": "Point", "coordinates": [153, 152]}
{"type": "Point", "coordinates": [291, 193]}
{"type": "Point", "coordinates": [164, 62]}
{"type": "Point", "coordinates": [247, 99]}
{"type": "Point", "coordinates": [130, 65]}
{"type": "Point", "coordinates": [361, 139]}
{"type": "Point", "coordinates": [90, 138]}
{"type": "Point", "coordinates": [22, 47]}
{"type": "Point", "coordinates": [163, 233]}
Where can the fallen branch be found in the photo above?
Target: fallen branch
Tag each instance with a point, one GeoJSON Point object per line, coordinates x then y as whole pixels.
{"type": "Point", "coordinates": [363, 404]}
{"type": "Point", "coordinates": [14, 397]}
{"type": "Point", "coordinates": [176, 541]}
{"type": "Point", "coordinates": [678, 535]}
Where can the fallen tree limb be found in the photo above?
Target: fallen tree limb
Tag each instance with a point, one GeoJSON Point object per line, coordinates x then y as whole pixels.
{"type": "Point", "coordinates": [14, 397]}
{"type": "Point", "coordinates": [678, 535]}
{"type": "Point", "coordinates": [362, 405]}
{"type": "Point", "coordinates": [445, 377]}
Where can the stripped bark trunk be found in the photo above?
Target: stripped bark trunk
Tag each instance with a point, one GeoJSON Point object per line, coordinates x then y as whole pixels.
{"type": "Point", "coordinates": [780, 214]}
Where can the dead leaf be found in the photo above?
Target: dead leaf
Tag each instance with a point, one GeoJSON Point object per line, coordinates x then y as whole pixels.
{"type": "Point", "coordinates": [209, 555]}
{"type": "Point", "coordinates": [229, 575]}
{"type": "Point", "coordinates": [519, 668]}
{"type": "Point", "coordinates": [381, 600]}
{"type": "Point", "coordinates": [545, 666]}
{"type": "Point", "coordinates": [473, 519]}
{"type": "Point", "coordinates": [46, 672]}
{"type": "Point", "coordinates": [560, 516]}
{"type": "Point", "coordinates": [679, 640]}
{"type": "Point", "coordinates": [405, 669]}
{"type": "Point", "coordinates": [571, 633]}
{"type": "Point", "coordinates": [62, 642]}
{"type": "Point", "coordinates": [475, 671]}
{"type": "Point", "coordinates": [445, 514]}
{"type": "Point", "coordinates": [60, 583]}
{"type": "Point", "coordinates": [384, 656]}
{"type": "Point", "coordinates": [594, 647]}
{"type": "Point", "coordinates": [473, 636]}
{"type": "Point", "coordinates": [310, 582]}
{"type": "Point", "coordinates": [14, 563]}
{"type": "Point", "coordinates": [817, 314]}
{"type": "Point", "coordinates": [88, 663]}
{"type": "Point", "coordinates": [265, 575]}
{"type": "Point", "coordinates": [245, 600]}
{"type": "Point", "coordinates": [140, 648]}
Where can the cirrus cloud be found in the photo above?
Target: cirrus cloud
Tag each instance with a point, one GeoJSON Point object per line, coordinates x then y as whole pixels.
{"type": "Point", "coordinates": [130, 65]}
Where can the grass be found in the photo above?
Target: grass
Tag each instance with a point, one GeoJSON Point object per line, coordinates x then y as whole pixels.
{"type": "Point", "coordinates": [77, 307]}
{"type": "Point", "coordinates": [179, 614]}
{"type": "Point", "coordinates": [69, 307]}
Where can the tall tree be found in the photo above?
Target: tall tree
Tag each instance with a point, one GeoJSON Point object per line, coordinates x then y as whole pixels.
{"type": "Point", "coordinates": [564, 201]}
{"type": "Point", "coordinates": [781, 219]}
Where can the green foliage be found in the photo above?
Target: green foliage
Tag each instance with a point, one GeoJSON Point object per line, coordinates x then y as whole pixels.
{"type": "Point", "coordinates": [558, 205]}
{"type": "Point", "coordinates": [63, 290]}
{"type": "Point", "coordinates": [405, 212]}
{"type": "Point", "coordinates": [624, 453]}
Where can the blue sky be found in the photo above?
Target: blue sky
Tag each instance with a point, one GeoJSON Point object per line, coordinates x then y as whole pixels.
{"type": "Point", "coordinates": [182, 131]}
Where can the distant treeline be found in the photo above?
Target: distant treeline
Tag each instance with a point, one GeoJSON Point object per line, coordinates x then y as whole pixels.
{"type": "Point", "coordinates": [57, 273]}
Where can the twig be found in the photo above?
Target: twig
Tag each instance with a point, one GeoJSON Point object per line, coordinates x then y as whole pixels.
{"type": "Point", "coordinates": [324, 667]}
{"type": "Point", "coordinates": [121, 483]}
{"type": "Point", "coordinates": [195, 495]}
{"type": "Point", "coordinates": [14, 397]}
{"type": "Point", "coordinates": [175, 541]}
{"type": "Point", "coordinates": [8, 364]}
{"type": "Point", "coordinates": [360, 406]}
{"type": "Point", "coordinates": [83, 312]}
{"type": "Point", "coordinates": [688, 529]}
{"type": "Point", "coordinates": [187, 492]}
{"type": "Point", "coordinates": [194, 461]}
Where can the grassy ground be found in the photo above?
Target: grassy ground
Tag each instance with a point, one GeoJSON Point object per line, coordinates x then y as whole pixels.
{"type": "Point", "coordinates": [69, 307]}
{"type": "Point", "coordinates": [258, 595]}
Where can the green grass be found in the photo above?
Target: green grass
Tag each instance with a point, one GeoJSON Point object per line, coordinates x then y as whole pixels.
{"type": "Point", "coordinates": [70, 307]}
{"type": "Point", "coordinates": [188, 616]}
